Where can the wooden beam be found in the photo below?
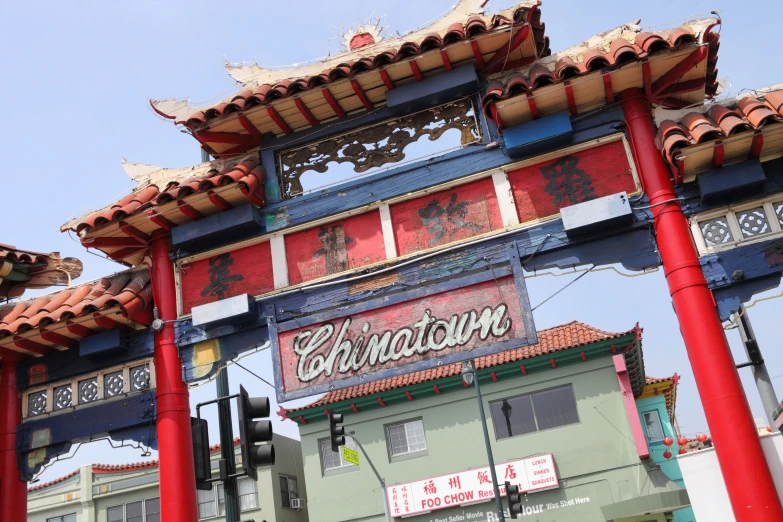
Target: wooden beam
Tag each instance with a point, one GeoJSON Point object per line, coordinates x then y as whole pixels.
{"type": "Point", "coordinates": [251, 129]}
{"type": "Point", "coordinates": [380, 401]}
{"type": "Point", "coordinates": [674, 74]}
{"type": "Point", "coordinates": [582, 356]}
{"type": "Point", "coordinates": [360, 93]}
{"type": "Point", "coordinates": [134, 232]}
{"type": "Point", "coordinates": [312, 120]}
{"type": "Point", "coordinates": [493, 376]}
{"type": "Point", "coordinates": [110, 324]}
{"type": "Point", "coordinates": [717, 155]}
{"type": "Point", "coordinates": [387, 81]}
{"type": "Point", "coordinates": [408, 396]}
{"type": "Point", "coordinates": [684, 87]}
{"type": "Point", "coordinates": [445, 57]}
{"type": "Point", "coordinates": [436, 389]}
{"type": "Point", "coordinates": [279, 121]}
{"type": "Point", "coordinates": [59, 339]}
{"type": "Point", "coordinates": [531, 102]}
{"type": "Point", "coordinates": [218, 201]}
{"type": "Point", "coordinates": [354, 408]}
{"type": "Point", "coordinates": [570, 95]}
{"type": "Point", "coordinates": [416, 70]}
{"type": "Point", "coordinates": [161, 221]}
{"type": "Point", "coordinates": [224, 137]}
{"type": "Point", "coordinates": [608, 91]}
{"type": "Point", "coordinates": [500, 59]}
{"type": "Point", "coordinates": [332, 101]}
{"type": "Point", "coordinates": [496, 117]}
{"type": "Point", "coordinates": [506, 203]}
{"type": "Point", "coordinates": [387, 229]}
{"type": "Point", "coordinates": [647, 78]}
{"type": "Point", "coordinates": [31, 346]}
{"type": "Point", "coordinates": [13, 355]}
{"type": "Point", "coordinates": [477, 54]}
{"type": "Point", "coordinates": [279, 261]}
{"type": "Point", "coordinates": [552, 362]}
{"type": "Point", "coordinates": [110, 242]}
{"type": "Point", "coordinates": [189, 211]}
{"type": "Point", "coordinates": [125, 253]}
{"type": "Point", "coordinates": [522, 369]}
{"type": "Point", "coordinates": [757, 144]}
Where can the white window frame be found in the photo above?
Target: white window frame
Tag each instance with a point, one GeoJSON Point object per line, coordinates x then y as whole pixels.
{"type": "Point", "coordinates": [60, 517]}
{"type": "Point", "coordinates": [74, 383]}
{"type": "Point", "coordinates": [215, 491]}
{"type": "Point", "coordinates": [289, 478]}
{"type": "Point", "coordinates": [660, 422]}
{"type": "Point", "coordinates": [344, 466]}
{"type": "Point", "coordinates": [730, 213]}
{"type": "Point", "coordinates": [408, 454]}
{"type": "Point", "coordinates": [125, 504]}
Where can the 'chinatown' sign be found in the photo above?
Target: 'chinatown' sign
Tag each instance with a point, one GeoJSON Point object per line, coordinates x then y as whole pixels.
{"type": "Point", "coordinates": [470, 487]}
{"type": "Point", "coordinates": [450, 322]}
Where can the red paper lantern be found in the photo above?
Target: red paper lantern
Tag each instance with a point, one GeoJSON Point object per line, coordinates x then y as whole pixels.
{"type": "Point", "coordinates": [682, 441]}
{"type": "Point", "coordinates": [667, 454]}
{"type": "Point", "coordinates": [682, 451]}
{"type": "Point", "coordinates": [668, 441]}
{"type": "Point", "coordinates": [702, 437]}
{"type": "Point", "coordinates": [769, 429]}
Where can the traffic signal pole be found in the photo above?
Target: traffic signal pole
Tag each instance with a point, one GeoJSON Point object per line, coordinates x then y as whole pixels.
{"type": "Point", "coordinates": [745, 472]}
{"type": "Point", "coordinates": [381, 480]}
{"type": "Point", "coordinates": [175, 448]}
{"type": "Point", "coordinates": [769, 399]}
{"type": "Point", "coordinates": [227, 447]}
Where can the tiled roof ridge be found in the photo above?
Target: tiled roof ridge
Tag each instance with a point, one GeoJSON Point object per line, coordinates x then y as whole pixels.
{"type": "Point", "coordinates": [130, 290]}
{"type": "Point", "coordinates": [262, 86]}
{"type": "Point", "coordinates": [105, 469]}
{"type": "Point", "coordinates": [160, 185]}
{"type": "Point", "coordinates": [17, 255]}
{"type": "Point", "coordinates": [608, 49]}
{"type": "Point", "coordinates": [745, 113]}
{"type": "Point", "coordinates": [571, 339]}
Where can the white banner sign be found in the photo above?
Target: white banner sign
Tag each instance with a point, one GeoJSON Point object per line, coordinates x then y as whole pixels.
{"type": "Point", "coordinates": [472, 486]}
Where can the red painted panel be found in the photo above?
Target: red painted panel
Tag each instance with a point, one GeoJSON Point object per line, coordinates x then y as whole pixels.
{"type": "Point", "coordinates": [542, 189]}
{"type": "Point", "coordinates": [244, 271]}
{"type": "Point", "coordinates": [446, 216]}
{"type": "Point", "coordinates": [401, 334]}
{"type": "Point", "coordinates": [334, 247]}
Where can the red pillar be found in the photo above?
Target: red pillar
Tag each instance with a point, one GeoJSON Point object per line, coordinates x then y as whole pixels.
{"type": "Point", "coordinates": [13, 492]}
{"type": "Point", "coordinates": [745, 471]}
{"type": "Point", "coordinates": [175, 450]}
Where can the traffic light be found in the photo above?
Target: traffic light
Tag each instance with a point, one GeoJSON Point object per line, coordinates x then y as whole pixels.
{"type": "Point", "coordinates": [200, 435]}
{"type": "Point", "coordinates": [252, 431]}
{"type": "Point", "coordinates": [514, 500]}
{"type": "Point", "coordinates": [336, 432]}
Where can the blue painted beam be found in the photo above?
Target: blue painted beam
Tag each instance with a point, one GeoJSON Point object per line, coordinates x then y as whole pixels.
{"type": "Point", "coordinates": [436, 90]}
{"type": "Point", "coordinates": [726, 184]}
{"type": "Point", "coordinates": [540, 135]}
{"type": "Point", "coordinates": [219, 229]}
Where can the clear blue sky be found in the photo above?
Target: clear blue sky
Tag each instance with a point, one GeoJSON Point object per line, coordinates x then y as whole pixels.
{"type": "Point", "coordinates": [76, 77]}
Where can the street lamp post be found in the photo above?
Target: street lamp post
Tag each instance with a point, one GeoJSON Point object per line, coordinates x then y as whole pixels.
{"type": "Point", "coordinates": [470, 376]}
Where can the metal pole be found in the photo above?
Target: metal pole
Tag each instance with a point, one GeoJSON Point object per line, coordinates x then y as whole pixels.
{"type": "Point", "coordinates": [764, 384]}
{"type": "Point", "coordinates": [378, 475]}
{"type": "Point", "coordinates": [490, 458]}
{"type": "Point", "coordinates": [227, 446]}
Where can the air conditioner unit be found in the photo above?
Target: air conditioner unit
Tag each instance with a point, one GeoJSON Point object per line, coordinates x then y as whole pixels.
{"type": "Point", "coordinates": [296, 503]}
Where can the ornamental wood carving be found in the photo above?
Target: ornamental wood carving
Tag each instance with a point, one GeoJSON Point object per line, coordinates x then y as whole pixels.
{"type": "Point", "coordinates": [378, 144]}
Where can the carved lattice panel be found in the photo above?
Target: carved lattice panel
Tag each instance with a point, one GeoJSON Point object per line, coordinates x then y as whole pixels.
{"type": "Point", "coordinates": [63, 397]}
{"type": "Point", "coordinates": [379, 144]}
{"type": "Point", "coordinates": [113, 384]}
{"type": "Point", "coordinates": [753, 222]}
{"type": "Point", "coordinates": [716, 231]}
{"type": "Point", "coordinates": [36, 403]}
{"type": "Point", "coordinates": [779, 211]}
{"type": "Point", "coordinates": [140, 378]}
{"type": "Point", "coordinates": [88, 390]}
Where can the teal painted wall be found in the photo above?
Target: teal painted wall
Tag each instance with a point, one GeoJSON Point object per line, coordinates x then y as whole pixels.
{"type": "Point", "coordinates": [596, 458]}
{"type": "Point", "coordinates": [670, 467]}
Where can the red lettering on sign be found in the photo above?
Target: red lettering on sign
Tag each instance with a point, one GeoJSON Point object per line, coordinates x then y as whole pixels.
{"type": "Point", "coordinates": [541, 190]}
{"type": "Point", "coordinates": [334, 247]}
{"type": "Point", "coordinates": [446, 216]}
{"type": "Point", "coordinates": [244, 271]}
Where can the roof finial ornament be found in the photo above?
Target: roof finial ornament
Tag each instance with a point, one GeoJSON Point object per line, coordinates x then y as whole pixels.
{"type": "Point", "coordinates": [363, 34]}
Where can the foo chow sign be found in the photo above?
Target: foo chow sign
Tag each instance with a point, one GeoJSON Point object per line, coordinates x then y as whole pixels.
{"type": "Point", "coordinates": [452, 321]}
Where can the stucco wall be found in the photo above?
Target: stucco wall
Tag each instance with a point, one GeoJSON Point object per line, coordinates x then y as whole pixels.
{"type": "Point", "coordinates": [596, 458]}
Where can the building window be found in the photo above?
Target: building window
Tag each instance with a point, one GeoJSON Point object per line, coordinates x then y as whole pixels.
{"type": "Point", "coordinates": [114, 514]}
{"type": "Point", "coordinates": [534, 412]}
{"type": "Point", "coordinates": [133, 512]}
{"type": "Point", "coordinates": [206, 503]}
{"type": "Point", "coordinates": [405, 438]}
{"type": "Point", "coordinates": [152, 509]}
{"type": "Point", "coordinates": [288, 490]}
{"type": "Point", "coordinates": [726, 228]}
{"type": "Point", "coordinates": [221, 499]}
{"type": "Point", "coordinates": [64, 518]}
{"type": "Point", "coordinates": [248, 494]}
{"type": "Point", "coordinates": [654, 427]}
{"type": "Point", "coordinates": [333, 460]}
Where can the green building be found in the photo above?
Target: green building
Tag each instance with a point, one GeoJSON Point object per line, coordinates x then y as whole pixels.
{"type": "Point", "coordinates": [571, 396]}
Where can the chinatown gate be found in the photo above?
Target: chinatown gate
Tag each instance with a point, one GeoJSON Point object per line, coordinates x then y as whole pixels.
{"type": "Point", "coordinates": [373, 214]}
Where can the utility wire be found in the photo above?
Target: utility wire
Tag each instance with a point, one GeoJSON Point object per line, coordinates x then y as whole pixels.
{"type": "Point", "coordinates": [580, 276]}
